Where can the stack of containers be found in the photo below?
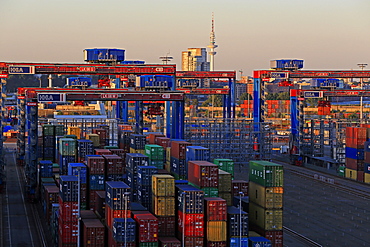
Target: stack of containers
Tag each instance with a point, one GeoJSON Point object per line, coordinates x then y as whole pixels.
{"type": "Point", "coordinates": [137, 143]}
{"type": "Point", "coordinates": [124, 233]}
{"type": "Point", "coordinates": [178, 168]}
{"type": "Point", "coordinates": [84, 147]}
{"type": "Point", "coordinates": [67, 154]}
{"type": "Point", "coordinates": [204, 175]}
{"type": "Point", "coordinates": [165, 143]}
{"type": "Point", "coordinates": [153, 136]}
{"type": "Point", "coordinates": [50, 196]}
{"type": "Point", "coordinates": [73, 130]}
{"type": "Point", "coordinates": [96, 177]}
{"type": "Point", "coordinates": [46, 168]}
{"type": "Point", "coordinates": [355, 140]}
{"type": "Point", "coordinates": [117, 203]}
{"type": "Point", "coordinates": [226, 165]}
{"type": "Point", "coordinates": [215, 221]}
{"type": "Point", "coordinates": [79, 168]}
{"type": "Point", "coordinates": [163, 191]}
{"type": "Point", "coordinates": [103, 136]}
{"type": "Point", "coordinates": [68, 211]}
{"type": "Point", "coordinates": [144, 184]}
{"type": "Point", "coordinates": [155, 154]}
{"type": "Point", "coordinates": [102, 151]}
{"type": "Point", "coordinates": [237, 229]}
{"type": "Point", "coordinates": [238, 187]}
{"type": "Point", "coordinates": [93, 233]}
{"type": "Point", "coordinates": [266, 200]}
{"type": "Point", "coordinates": [367, 162]}
{"type": "Point", "coordinates": [190, 217]}
{"type": "Point", "coordinates": [147, 228]}
{"type": "Point", "coordinates": [121, 153]}
{"type": "Point", "coordinates": [54, 222]}
{"type": "Point", "coordinates": [95, 139]}
{"type": "Point", "coordinates": [48, 142]}
{"type": "Point", "coordinates": [114, 167]}
{"type": "Point", "coordinates": [124, 139]}
{"type": "Point", "coordinates": [133, 161]}
{"type": "Point", "coordinates": [224, 186]}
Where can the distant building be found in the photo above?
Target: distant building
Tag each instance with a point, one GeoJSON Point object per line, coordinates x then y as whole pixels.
{"type": "Point", "coordinates": [195, 59]}
{"type": "Point", "coordinates": [240, 88]}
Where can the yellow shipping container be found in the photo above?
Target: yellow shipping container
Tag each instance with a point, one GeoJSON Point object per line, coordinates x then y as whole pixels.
{"type": "Point", "coordinates": [352, 174]}
{"type": "Point", "coordinates": [224, 181]}
{"type": "Point", "coordinates": [137, 151]}
{"type": "Point", "coordinates": [163, 206]}
{"type": "Point", "coordinates": [168, 155]}
{"type": "Point", "coordinates": [268, 219]}
{"type": "Point", "coordinates": [94, 138]}
{"type": "Point", "coordinates": [74, 131]}
{"type": "Point", "coordinates": [226, 196]}
{"type": "Point", "coordinates": [266, 197]}
{"type": "Point", "coordinates": [216, 231]}
{"type": "Point", "coordinates": [163, 185]}
{"type": "Point", "coordinates": [367, 178]}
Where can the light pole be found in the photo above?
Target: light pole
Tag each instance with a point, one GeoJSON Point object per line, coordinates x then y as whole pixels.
{"type": "Point", "coordinates": [362, 66]}
{"type": "Point", "coordinates": [240, 219]}
{"type": "Point", "coordinates": [183, 218]}
{"type": "Point", "coordinates": [125, 195]}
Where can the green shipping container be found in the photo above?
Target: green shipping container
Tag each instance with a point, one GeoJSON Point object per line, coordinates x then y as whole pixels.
{"type": "Point", "coordinates": [266, 173]}
{"type": "Point", "coordinates": [48, 130]}
{"type": "Point", "coordinates": [150, 244]}
{"type": "Point", "coordinates": [226, 165]}
{"type": "Point", "coordinates": [71, 136]}
{"type": "Point", "coordinates": [59, 130]}
{"type": "Point", "coordinates": [157, 163]}
{"type": "Point", "coordinates": [342, 171]}
{"type": "Point", "coordinates": [268, 219]}
{"type": "Point", "coordinates": [210, 192]}
{"type": "Point", "coordinates": [224, 181]}
{"type": "Point", "coordinates": [266, 197]}
{"type": "Point", "coordinates": [154, 152]}
{"type": "Point", "coordinates": [226, 196]}
{"type": "Point", "coordinates": [110, 147]}
{"type": "Point", "coordinates": [67, 146]}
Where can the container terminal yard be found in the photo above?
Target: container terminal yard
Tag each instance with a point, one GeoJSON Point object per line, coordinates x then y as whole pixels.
{"type": "Point", "coordinates": [119, 161]}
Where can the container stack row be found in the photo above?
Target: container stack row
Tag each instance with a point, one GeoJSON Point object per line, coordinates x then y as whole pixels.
{"type": "Point", "coordinates": [266, 200]}
{"type": "Point", "coordinates": [355, 156]}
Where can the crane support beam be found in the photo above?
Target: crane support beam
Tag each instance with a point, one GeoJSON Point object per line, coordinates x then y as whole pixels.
{"type": "Point", "coordinates": [203, 91]}
{"type": "Point", "coordinates": [205, 74]}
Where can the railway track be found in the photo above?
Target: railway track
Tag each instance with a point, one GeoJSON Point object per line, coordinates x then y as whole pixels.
{"type": "Point", "coordinates": [300, 237]}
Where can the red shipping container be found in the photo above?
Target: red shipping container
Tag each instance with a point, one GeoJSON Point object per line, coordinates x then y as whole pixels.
{"type": "Point", "coordinates": [99, 204]}
{"type": "Point", "coordinates": [360, 176]}
{"type": "Point", "coordinates": [120, 152]}
{"type": "Point", "coordinates": [163, 141]}
{"type": "Point", "coordinates": [87, 214]}
{"type": "Point", "coordinates": [96, 164]}
{"type": "Point", "coordinates": [367, 157]}
{"type": "Point", "coordinates": [102, 133]}
{"type": "Point", "coordinates": [101, 151]}
{"type": "Point", "coordinates": [153, 136]}
{"type": "Point", "coordinates": [169, 242]}
{"type": "Point", "coordinates": [110, 214]}
{"type": "Point", "coordinates": [203, 173]}
{"type": "Point", "coordinates": [68, 211]}
{"type": "Point", "coordinates": [349, 132]}
{"type": "Point", "coordinates": [93, 233]}
{"type": "Point", "coordinates": [194, 241]}
{"type": "Point", "coordinates": [166, 226]}
{"type": "Point", "coordinates": [194, 225]}
{"type": "Point", "coordinates": [354, 164]}
{"type": "Point", "coordinates": [215, 209]}
{"type": "Point", "coordinates": [276, 237]}
{"type": "Point", "coordinates": [178, 149]}
{"type": "Point", "coordinates": [112, 242]}
{"type": "Point", "coordinates": [67, 231]}
{"type": "Point", "coordinates": [216, 244]}
{"type": "Point", "coordinates": [147, 225]}
{"type": "Point", "coordinates": [113, 164]}
{"type": "Point", "coordinates": [239, 186]}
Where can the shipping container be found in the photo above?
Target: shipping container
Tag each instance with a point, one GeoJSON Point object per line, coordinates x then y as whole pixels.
{"type": "Point", "coordinates": [178, 149]}
{"type": "Point", "coordinates": [355, 164]}
{"type": "Point", "coordinates": [99, 202]}
{"type": "Point", "coordinates": [266, 173]}
{"type": "Point", "coordinates": [93, 233]}
{"type": "Point", "coordinates": [46, 168]}
{"type": "Point", "coordinates": [197, 153]}
{"type": "Point", "coordinates": [366, 167]}
{"type": "Point", "coordinates": [117, 195]}
{"type": "Point", "coordinates": [84, 147]}
{"type": "Point", "coordinates": [208, 191]}
{"type": "Point", "coordinates": [259, 242]}
{"type": "Point", "coordinates": [78, 169]}
{"type": "Point", "coordinates": [144, 175]}
{"type": "Point", "coordinates": [67, 146]}
{"type": "Point", "coordinates": [166, 226]}
{"type": "Point", "coordinates": [102, 151]}
{"type": "Point", "coordinates": [113, 243]}
{"type": "Point", "coordinates": [64, 160]}
{"type": "Point", "coordinates": [163, 206]}
{"type": "Point", "coordinates": [163, 141]}
{"type": "Point", "coordinates": [137, 141]}
{"type": "Point", "coordinates": [194, 224]}
{"type": "Point", "coordinates": [68, 189]}
{"type": "Point", "coordinates": [239, 186]}
{"type": "Point", "coordinates": [360, 176]}
{"type": "Point", "coordinates": [163, 185]}
{"type": "Point", "coordinates": [154, 152]}
{"type": "Point", "coordinates": [169, 242]}
{"type": "Point", "coordinates": [94, 138]}
{"type": "Point", "coordinates": [216, 244]}
{"type": "Point", "coordinates": [238, 223]}
{"type": "Point", "coordinates": [96, 164]}
{"type": "Point", "coordinates": [286, 64]}
{"type": "Point", "coordinates": [51, 194]}
{"type": "Point", "coordinates": [216, 231]}
{"type": "Point", "coordinates": [72, 130]}
{"type": "Point", "coordinates": [355, 153]}
{"type": "Point", "coordinates": [68, 232]}
{"type": "Point", "coordinates": [227, 196]}
{"type": "Point", "coordinates": [68, 211]}
{"type": "Point", "coordinates": [111, 214]}
{"type": "Point", "coordinates": [133, 160]}
{"type": "Point", "coordinates": [194, 241]}
{"type": "Point", "coordinates": [276, 237]}
{"type": "Point", "coordinates": [236, 241]}
{"type": "Point", "coordinates": [224, 181]}
{"type": "Point", "coordinates": [190, 199]}
{"type": "Point", "coordinates": [96, 182]}
{"type": "Point", "coordinates": [268, 219]}
{"type": "Point", "coordinates": [147, 227]}
{"type": "Point", "coordinates": [114, 164]}
{"type": "Point", "coordinates": [351, 174]}
{"type": "Point", "coordinates": [244, 201]}
{"type": "Point", "coordinates": [99, 55]}
{"type": "Point", "coordinates": [215, 209]}
{"type": "Point", "coordinates": [203, 173]}
{"type": "Point", "coordinates": [179, 167]}
{"type": "Point", "coordinates": [226, 165]}
{"type": "Point", "coordinates": [367, 177]}
{"type": "Point", "coordinates": [266, 197]}
{"type": "Point", "coordinates": [124, 230]}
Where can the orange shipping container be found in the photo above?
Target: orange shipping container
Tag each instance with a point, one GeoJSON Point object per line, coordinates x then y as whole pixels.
{"type": "Point", "coordinates": [216, 231]}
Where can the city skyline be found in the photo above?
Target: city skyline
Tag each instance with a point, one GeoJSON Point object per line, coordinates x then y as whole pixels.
{"type": "Point", "coordinates": [327, 34]}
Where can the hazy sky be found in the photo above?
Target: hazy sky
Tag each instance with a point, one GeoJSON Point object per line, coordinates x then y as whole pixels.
{"type": "Point", "coordinates": [327, 34]}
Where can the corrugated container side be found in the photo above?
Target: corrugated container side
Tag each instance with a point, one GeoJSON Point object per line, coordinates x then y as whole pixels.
{"type": "Point", "coordinates": [266, 197]}
{"type": "Point", "coordinates": [268, 219]}
{"type": "Point", "coordinates": [178, 149]}
{"type": "Point", "coordinates": [68, 232]}
{"type": "Point", "coordinates": [354, 153]}
{"type": "Point", "coordinates": [227, 196]}
{"type": "Point", "coordinates": [367, 167]}
{"type": "Point", "coordinates": [163, 185]}
{"type": "Point", "coordinates": [93, 233]}
{"type": "Point", "coordinates": [203, 173]}
{"type": "Point", "coordinates": [276, 237]}
{"type": "Point", "coordinates": [166, 226]}
{"type": "Point", "coordinates": [117, 195]}
{"type": "Point", "coordinates": [236, 241]}
{"type": "Point", "coordinates": [163, 206]}
{"type": "Point", "coordinates": [194, 224]}
{"type": "Point", "coordinates": [67, 146]}
{"type": "Point", "coordinates": [190, 198]}
{"type": "Point", "coordinates": [226, 165]}
{"type": "Point", "coordinates": [78, 168]}
{"type": "Point", "coordinates": [239, 186]}
{"type": "Point", "coordinates": [147, 227]}
{"type": "Point", "coordinates": [194, 241]}
{"type": "Point", "coordinates": [351, 174]}
{"type": "Point", "coordinates": [162, 141]}
{"type": "Point", "coordinates": [215, 210]}
{"type": "Point", "coordinates": [224, 181]}
{"type": "Point", "coordinates": [124, 229]}
{"type": "Point", "coordinates": [235, 224]}
{"type": "Point", "coordinates": [169, 242]}
{"type": "Point", "coordinates": [367, 177]}
{"type": "Point", "coordinates": [68, 189]}
{"type": "Point", "coordinates": [259, 241]}
{"type": "Point", "coordinates": [266, 173]}
{"type": "Point", "coordinates": [96, 182]}
{"type": "Point", "coordinates": [114, 164]}
{"type": "Point", "coordinates": [355, 164]}
{"type": "Point", "coordinates": [216, 231]}
{"type": "Point", "coordinates": [110, 214]}
{"type": "Point", "coordinates": [96, 164]}
{"type": "Point", "coordinates": [216, 244]}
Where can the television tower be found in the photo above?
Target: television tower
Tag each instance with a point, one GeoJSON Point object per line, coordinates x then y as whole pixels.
{"type": "Point", "coordinates": [212, 45]}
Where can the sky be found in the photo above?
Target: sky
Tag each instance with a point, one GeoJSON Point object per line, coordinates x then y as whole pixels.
{"type": "Point", "coordinates": [326, 34]}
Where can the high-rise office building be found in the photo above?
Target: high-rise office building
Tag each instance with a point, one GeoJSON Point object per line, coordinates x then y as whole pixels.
{"type": "Point", "coordinates": [195, 59]}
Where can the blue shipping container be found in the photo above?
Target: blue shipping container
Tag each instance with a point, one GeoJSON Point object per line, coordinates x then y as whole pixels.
{"type": "Point", "coordinates": [235, 225]}
{"type": "Point", "coordinates": [133, 160]}
{"type": "Point", "coordinates": [286, 64]}
{"type": "Point", "coordinates": [73, 169]}
{"type": "Point", "coordinates": [96, 182]}
{"type": "Point", "coordinates": [46, 168]}
{"type": "Point", "coordinates": [259, 242]}
{"type": "Point", "coordinates": [154, 81]}
{"type": "Point", "coordinates": [64, 160]}
{"type": "Point", "coordinates": [367, 168]}
{"type": "Point", "coordinates": [137, 141]}
{"type": "Point", "coordinates": [190, 199]}
{"type": "Point", "coordinates": [79, 81]}
{"type": "Point", "coordinates": [179, 166]}
{"type": "Point", "coordinates": [117, 195]}
{"type": "Point", "coordinates": [68, 189]}
{"type": "Point", "coordinates": [367, 146]}
{"type": "Point", "coordinates": [238, 242]}
{"type": "Point", "coordinates": [104, 55]}
{"type": "Point", "coordinates": [144, 175]}
{"type": "Point", "coordinates": [124, 230]}
{"type": "Point", "coordinates": [197, 153]}
{"type": "Point", "coordinates": [355, 153]}
{"type": "Point", "coordinates": [245, 202]}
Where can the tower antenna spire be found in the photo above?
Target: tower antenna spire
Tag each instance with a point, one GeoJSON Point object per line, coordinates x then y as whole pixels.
{"type": "Point", "coordinates": [212, 45]}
